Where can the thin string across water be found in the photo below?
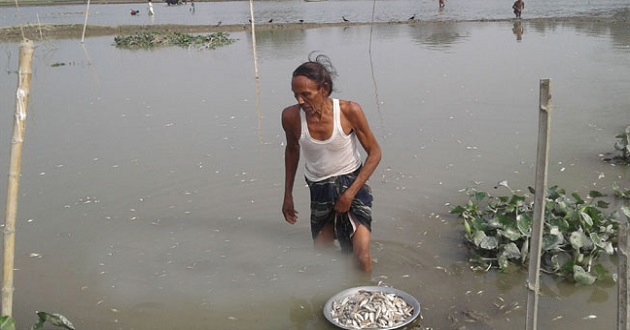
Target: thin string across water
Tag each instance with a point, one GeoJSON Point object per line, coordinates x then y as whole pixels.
{"type": "Point", "coordinates": [378, 103]}
{"type": "Point", "coordinates": [17, 9]}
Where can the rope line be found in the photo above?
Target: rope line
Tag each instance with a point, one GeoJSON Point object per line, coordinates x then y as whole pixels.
{"type": "Point", "coordinates": [378, 103]}
{"type": "Point", "coordinates": [17, 9]}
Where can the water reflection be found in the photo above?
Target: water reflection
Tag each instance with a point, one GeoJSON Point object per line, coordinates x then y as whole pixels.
{"type": "Point", "coordinates": [279, 41]}
{"type": "Point", "coordinates": [517, 29]}
{"type": "Point", "coordinates": [616, 32]}
{"type": "Point", "coordinates": [440, 35]}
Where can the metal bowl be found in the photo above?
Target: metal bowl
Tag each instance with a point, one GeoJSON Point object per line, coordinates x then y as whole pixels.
{"type": "Point", "coordinates": [413, 302]}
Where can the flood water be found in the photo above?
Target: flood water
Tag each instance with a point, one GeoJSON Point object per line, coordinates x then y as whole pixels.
{"type": "Point", "coordinates": [152, 180]}
{"type": "Point", "coordinates": [291, 11]}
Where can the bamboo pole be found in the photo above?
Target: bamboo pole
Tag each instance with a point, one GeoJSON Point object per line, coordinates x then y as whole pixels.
{"type": "Point", "coordinates": [23, 92]}
{"type": "Point", "coordinates": [87, 12]}
{"type": "Point", "coordinates": [533, 284]}
{"type": "Point", "coordinates": [251, 14]}
{"type": "Point", "coordinates": [251, 19]}
{"type": "Point", "coordinates": [622, 278]}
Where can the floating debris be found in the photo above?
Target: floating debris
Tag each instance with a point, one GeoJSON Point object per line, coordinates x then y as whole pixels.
{"type": "Point", "coordinates": [155, 39]}
{"type": "Point", "coordinates": [371, 310]}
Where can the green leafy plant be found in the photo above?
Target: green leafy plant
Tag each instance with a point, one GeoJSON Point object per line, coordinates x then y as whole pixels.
{"type": "Point", "coordinates": [58, 320]}
{"type": "Point", "coordinates": [7, 323]}
{"type": "Point", "coordinates": [55, 319]}
{"type": "Point", "coordinates": [576, 232]}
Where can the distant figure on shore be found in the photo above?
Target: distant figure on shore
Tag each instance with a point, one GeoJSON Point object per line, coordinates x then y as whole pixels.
{"type": "Point", "coordinates": [518, 7]}
{"type": "Point", "coordinates": [192, 6]}
{"type": "Point", "coordinates": [135, 12]}
{"type": "Point", "coordinates": [150, 8]}
{"type": "Point", "coordinates": [442, 3]}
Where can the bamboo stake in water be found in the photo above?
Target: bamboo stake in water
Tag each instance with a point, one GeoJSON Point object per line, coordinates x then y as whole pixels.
{"type": "Point", "coordinates": [23, 91]}
{"type": "Point", "coordinates": [87, 12]}
{"type": "Point", "coordinates": [251, 14]}
{"type": "Point", "coordinates": [622, 279]}
{"type": "Point", "coordinates": [533, 284]}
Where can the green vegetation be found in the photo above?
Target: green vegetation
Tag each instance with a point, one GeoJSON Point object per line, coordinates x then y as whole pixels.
{"type": "Point", "coordinates": [58, 320]}
{"type": "Point", "coordinates": [620, 192]}
{"type": "Point", "coordinates": [576, 232]}
{"type": "Point", "coordinates": [6, 323]}
{"type": "Point", "coordinates": [155, 39]}
{"type": "Point", "coordinates": [623, 145]}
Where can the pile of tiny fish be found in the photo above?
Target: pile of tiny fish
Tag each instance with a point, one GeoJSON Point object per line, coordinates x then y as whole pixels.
{"type": "Point", "coordinates": [370, 310]}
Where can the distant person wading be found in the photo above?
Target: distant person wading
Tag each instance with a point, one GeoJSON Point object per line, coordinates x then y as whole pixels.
{"type": "Point", "coordinates": [518, 7]}
{"type": "Point", "coordinates": [150, 8]}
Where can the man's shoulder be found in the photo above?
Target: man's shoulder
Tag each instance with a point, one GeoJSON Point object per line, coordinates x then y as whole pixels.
{"type": "Point", "coordinates": [347, 105]}
{"type": "Point", "coordinates": [291, 113]}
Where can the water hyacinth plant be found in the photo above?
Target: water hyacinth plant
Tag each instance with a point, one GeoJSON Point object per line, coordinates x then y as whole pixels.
{"type": "Point", "coordinates": [44, 318]}
{"type": "Point", "coordinates": [155, 39]}
{"type": "Point", "coordinates": [576, 232]}
{"type": "Point", "coordinates": [620, 192]}
{"type": "Point", "coordinates": [623, 146]}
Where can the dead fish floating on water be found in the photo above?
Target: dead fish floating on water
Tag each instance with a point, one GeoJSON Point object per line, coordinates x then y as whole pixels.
{"type": "Point", "coordinates": [371, 310]}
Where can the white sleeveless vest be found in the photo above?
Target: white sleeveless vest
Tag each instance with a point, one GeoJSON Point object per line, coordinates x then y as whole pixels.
{"type": "Point", "coordinates": [338, 155]}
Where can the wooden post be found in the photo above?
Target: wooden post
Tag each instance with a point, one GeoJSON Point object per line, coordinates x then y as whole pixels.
{"type": "Point", "coordinates": [23, 92]}
{"type": "Point", "coordinates": [87, 12]}
{"type": "Point", "coordinates": [251, 18]}
{"type": "Point", "coordinates": [622, 278]}
{"type": "Point", "coordinates": [251, 14]}
{"type": "Point", "coordinates": [533, 284]}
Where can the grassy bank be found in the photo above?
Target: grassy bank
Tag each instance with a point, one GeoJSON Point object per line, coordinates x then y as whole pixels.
{"type": "Point", "coordinates": [74, 31]}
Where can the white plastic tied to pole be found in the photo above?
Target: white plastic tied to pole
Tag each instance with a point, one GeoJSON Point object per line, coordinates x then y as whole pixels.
{"type": "Point", "coordinates": [20, 115]}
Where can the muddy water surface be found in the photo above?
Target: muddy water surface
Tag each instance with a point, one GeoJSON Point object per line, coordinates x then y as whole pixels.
{"type": "Point", "coordinates": [152, 180]}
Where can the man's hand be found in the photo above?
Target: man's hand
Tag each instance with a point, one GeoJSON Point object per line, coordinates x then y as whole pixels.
{"type": "Point", "coordinates": [343, 203]}
{"type": "Point", "coordinates": [289, 212]}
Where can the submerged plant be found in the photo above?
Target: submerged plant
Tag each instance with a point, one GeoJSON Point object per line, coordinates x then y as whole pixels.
{"type": "Point", "coordinates": [575, 232]}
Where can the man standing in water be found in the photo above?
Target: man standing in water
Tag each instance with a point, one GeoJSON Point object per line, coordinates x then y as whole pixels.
{"type": "Point", "coordinates": [518, 7]}
{"type": "Point", "coordinates": [325, 131]}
